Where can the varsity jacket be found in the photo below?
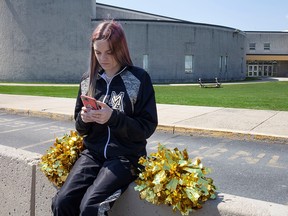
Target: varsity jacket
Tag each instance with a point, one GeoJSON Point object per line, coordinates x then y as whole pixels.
{"type": "Point", "coordinates": [134, 118]}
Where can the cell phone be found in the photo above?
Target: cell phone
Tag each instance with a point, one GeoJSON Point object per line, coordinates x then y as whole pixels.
{"type": "Point", "coordinates": [89, 102]}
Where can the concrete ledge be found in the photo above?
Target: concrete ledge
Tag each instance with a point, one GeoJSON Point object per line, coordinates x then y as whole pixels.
{"type": "Point", "coordinates": [24, 190]}
{"type": "Point", "coordinates": [17, 192]}
{"type": "Point", "coordinates": [129, 204]}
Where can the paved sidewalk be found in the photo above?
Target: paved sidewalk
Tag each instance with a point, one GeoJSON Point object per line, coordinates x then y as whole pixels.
{"type": "Point", "coordinates": [198, 119]}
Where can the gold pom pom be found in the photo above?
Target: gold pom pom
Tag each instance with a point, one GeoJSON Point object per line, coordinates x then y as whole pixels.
{"type": "Point", "coordinates": [60, 158]}
{"type": "Point", "coordinates": [170, 177]}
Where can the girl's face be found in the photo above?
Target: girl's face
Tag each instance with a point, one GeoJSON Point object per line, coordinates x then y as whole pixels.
{"type": "Point", "coordinates": [105, 57]}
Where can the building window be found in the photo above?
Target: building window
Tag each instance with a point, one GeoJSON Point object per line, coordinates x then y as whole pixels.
{"type": "Point", "coordinates": [266, 46]}
{"type": "Point", "coordinates": [242, 64]}
{"type": "Point", "coordinates": [188, 63]}
{"type": "Point", "coordinates": [252, 46]}
{"type": "Point", "coordinates": [226, 63]}
{"type": "Point", "coordinates": [220, 63]}
{"type": "Point", "coordinates": [145, 62]}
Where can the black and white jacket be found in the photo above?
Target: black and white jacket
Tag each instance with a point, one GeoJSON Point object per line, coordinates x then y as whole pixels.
{"type": "Point", "coordinates": [134, 118]}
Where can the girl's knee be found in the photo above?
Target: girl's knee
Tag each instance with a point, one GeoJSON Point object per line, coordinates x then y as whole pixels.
{"type": "Point", "coordinates": [63, 204]}
{"type": "Point", "coordinates": [85, 209]}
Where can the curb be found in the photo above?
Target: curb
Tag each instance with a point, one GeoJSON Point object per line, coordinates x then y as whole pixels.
{"type": "Point", "coordinates": [168, 128]}
{"type": "Point", "coordinates": [42, 114]}
{"type": "Point", "coordinates": [223, 133]}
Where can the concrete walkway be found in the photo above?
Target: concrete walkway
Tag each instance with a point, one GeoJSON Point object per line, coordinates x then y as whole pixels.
{"type": "Point", "coordinates": [193, 119]}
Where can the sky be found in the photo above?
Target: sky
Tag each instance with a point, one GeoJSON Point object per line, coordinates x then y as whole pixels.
{"type": "Point", "coordinates": [246, 15]}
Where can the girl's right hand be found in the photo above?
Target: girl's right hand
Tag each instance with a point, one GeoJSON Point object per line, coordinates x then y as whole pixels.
{"type": "Point", "coordinates": [86, 115]}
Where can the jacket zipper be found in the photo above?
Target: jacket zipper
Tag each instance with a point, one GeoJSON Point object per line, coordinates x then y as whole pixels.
{"type": "Point", "coordinates": [104, 99]}
{"type": "Point", "coordinates": [108, 128]}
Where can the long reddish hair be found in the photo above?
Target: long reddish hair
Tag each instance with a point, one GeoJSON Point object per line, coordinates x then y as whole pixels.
{"type": "Point", "coordinates": [113, 32]}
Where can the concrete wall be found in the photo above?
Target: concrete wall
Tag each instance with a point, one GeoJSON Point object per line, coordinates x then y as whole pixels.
{"type": "Point", "coordinates": [167, 43]}
{"type": "Point", "coordinates": [278, 52]}
{"type": "Point", "coordinates": [282, 69]}
{"type": "Point", "coordinates": [25, 191]}
{"type": "Point", "coordinates": [44, 40]}
{"type": "Point", "coordinates": [278, 42]}
{"type": "Point", "coordinates": [49, 41]}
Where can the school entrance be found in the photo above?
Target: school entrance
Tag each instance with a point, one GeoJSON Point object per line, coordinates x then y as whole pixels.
{"type": "Point", "coordinates": [261, 69]}
{"type": "Point", "coordinates": [267, 65]}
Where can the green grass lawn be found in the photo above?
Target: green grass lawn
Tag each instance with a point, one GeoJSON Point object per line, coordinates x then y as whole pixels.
{"type": "Point", "coordinates": [53, 91]}
{"type": "Point", "coordinates": [268, 96]}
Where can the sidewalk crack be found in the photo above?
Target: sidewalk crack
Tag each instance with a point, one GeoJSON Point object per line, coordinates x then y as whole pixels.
{"type": "Point", "coordinates": [198, 115]}
{"type": "Point", "coordinates": [264, 121]}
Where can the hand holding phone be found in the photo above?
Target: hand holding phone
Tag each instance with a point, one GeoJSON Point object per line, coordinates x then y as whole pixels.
{"type": "Point", "coordinates": [89, 102]}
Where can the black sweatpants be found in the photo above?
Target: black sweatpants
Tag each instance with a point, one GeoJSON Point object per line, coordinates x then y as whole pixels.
{"type": "Point", "coordinates": [92, 186]}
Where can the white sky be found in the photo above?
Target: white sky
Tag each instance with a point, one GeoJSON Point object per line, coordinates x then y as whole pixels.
{"type": "Point", "coordinates": [246, 15]}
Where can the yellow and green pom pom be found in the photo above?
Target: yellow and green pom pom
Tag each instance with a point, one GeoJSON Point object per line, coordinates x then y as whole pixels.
{"type": "Point", "coordinates": [170, 177]}
{"type": "Point", "coordinates": [60, 158]}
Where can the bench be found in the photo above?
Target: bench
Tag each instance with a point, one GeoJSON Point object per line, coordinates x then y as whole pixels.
{"type": "Point", "coordinates": [216, 84]}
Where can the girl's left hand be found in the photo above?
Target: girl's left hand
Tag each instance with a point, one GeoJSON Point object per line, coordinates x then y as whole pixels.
{"type": "Point", "coordinates": [102, 115]}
